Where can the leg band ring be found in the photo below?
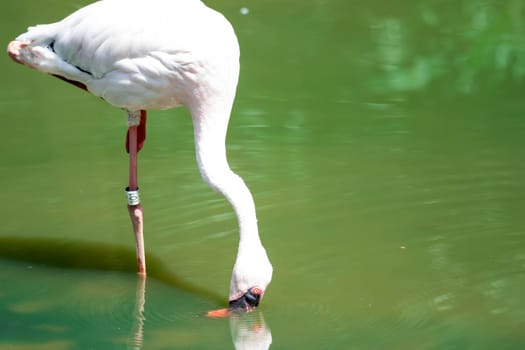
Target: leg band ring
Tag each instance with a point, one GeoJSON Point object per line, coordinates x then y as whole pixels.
{"type": "Point", "coordinates": [133, 196]}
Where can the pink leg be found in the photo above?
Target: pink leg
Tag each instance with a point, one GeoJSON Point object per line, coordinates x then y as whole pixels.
{"type": "Point", "coordinates": [136, 213]}
{"type": "Point", "coordinates": [135, 210]}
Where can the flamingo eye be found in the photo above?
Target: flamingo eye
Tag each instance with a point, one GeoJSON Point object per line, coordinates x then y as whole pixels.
{"type": "Point", "coordinates": [256, 291]}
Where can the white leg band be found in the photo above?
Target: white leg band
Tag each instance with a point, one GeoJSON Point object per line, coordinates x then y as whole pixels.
{"type": "Point", "coordinates": [133, 196]}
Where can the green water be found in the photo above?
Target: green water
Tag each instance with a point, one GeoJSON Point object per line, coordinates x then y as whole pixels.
{"type": "Point", "coordinates": [383, 142]}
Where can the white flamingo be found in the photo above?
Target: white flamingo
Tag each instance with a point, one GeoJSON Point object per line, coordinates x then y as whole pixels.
{"type": "Point", "coordinates": [159, 54]}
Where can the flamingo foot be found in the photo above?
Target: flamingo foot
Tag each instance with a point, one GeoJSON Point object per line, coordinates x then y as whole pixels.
{"type": "Point", "coordinates": [220, 313]}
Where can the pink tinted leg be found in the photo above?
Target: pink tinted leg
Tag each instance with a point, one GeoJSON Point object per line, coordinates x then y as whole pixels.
{"type": "Point", "coordinates": [136, 212]}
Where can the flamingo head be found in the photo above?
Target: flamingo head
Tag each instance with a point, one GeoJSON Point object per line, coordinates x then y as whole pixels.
{"type": "Point", "coordinates": [251, 276]}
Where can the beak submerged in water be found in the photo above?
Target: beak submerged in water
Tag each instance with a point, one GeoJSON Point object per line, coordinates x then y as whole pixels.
{"type": "Point", "coordinates": [246, 303]}
{"type": "Point", "coordinates": [249, 301]}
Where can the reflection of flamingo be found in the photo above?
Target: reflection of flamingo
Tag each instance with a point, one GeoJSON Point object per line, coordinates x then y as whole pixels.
{"type": "Point", "coordinates": [250, 331]}
{"type": "Point", "coordinates": [137, 337]}
{"type": "Point", "coordinates": [160, 54]}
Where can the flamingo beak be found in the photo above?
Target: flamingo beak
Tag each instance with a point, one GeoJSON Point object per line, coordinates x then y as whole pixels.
{"type": "Point", "coordinates": [246, 303]}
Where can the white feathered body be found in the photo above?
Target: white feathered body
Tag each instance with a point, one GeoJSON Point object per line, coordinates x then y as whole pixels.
{"type": "Point", "coordinates": [137, 54]}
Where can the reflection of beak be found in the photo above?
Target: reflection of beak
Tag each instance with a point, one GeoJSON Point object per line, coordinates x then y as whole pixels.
{"type": "Point", "coordinates": [250, 332]}
{"type": "Point", "coordinates": [246, 303]}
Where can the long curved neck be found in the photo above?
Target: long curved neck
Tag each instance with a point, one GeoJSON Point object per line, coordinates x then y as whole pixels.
{"type": "Point", "coordinates": [210, 128]}
{"type": "Point", "coordinates": [252, 267]}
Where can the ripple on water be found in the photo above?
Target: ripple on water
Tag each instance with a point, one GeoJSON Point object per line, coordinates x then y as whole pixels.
{"type": "Point", "coordinates": [465, 283]}
{"type": "Point", "coordinates": [448, 187]}
{"type": "Point", "coordinates": [101, 301]}
{"type": "Point", "coordinates": [117, 300]}
{"type": "Point", "coordinates": [463, 260]}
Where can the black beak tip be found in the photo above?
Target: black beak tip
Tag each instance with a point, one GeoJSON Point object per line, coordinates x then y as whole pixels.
{"type": "Point", "coordinates": [249, 301]}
